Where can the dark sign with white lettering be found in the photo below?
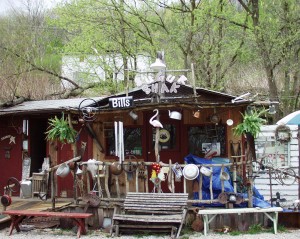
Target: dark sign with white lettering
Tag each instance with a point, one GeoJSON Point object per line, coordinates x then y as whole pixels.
{"type": "Point", "coordinates": [121, 102]}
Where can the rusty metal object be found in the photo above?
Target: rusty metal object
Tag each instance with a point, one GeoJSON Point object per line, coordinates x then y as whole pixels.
{"type": "Point", "coordinates": [42, 222]}
{"type": "Point", "coordinates": [116, 168]}
{"type": "Point", "coordinates": [6, 200]}
{"type": "Point", "coordinates": [92, 200]}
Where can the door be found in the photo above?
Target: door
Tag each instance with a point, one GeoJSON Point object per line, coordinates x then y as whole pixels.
{"type": "Point", "coordinates": [169, 146]}
{"type": "Point", "coordinates": [37, 129]}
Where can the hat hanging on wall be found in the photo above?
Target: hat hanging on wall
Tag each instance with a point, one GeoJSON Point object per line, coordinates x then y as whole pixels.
{"type": "Point", "coordinates": [190, 171]}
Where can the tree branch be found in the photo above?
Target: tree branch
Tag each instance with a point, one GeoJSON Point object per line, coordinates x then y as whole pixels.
{"type": "Point", "coordinates": [40, 68]}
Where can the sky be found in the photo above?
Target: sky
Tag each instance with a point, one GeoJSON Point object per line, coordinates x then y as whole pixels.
{"type": "Point", "coordinates": [7, 5]}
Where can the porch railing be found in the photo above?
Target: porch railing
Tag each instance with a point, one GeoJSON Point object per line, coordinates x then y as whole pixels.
{"type": "Point", "coordinates": [115, 187]}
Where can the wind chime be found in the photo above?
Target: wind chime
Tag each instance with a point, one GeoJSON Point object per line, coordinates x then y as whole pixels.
{"type": "Point", "coordinates": [119, 141]}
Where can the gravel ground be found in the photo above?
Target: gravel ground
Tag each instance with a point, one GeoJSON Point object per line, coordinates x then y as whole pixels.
{"type": "Point", "coordinates": [64, 234]}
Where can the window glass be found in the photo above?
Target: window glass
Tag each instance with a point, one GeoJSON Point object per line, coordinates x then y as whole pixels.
{"type": "Point", "coordinates": [132, 141]}
{"type": "Point", "coordinates": [203, 139]}
{"type": "Point", "coordinates": [272, 152]}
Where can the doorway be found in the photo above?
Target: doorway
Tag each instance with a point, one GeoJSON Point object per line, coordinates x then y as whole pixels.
{"type": "Point", "coordinates": [37, 150]}
{"type": "Point", "coordinates": [170, 144]}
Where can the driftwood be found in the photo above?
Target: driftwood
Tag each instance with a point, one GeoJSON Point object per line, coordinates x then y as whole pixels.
{"type": "Point", "coordinates": [76, 159]}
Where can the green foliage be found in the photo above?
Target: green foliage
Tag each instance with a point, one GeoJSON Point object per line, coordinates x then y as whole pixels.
{"type": "Point", "coordinates": [281, 228]}
{"type": "Point", "coordinates": [187, 230]}
{"type": "Point", "coordinates": [59, 129]}
{"type": "Point", "coordinates": [255, 229]}
{"type": "Point", "coordinates": [235, 233]}
{"type": "Point", "coordinates": [252, 121]}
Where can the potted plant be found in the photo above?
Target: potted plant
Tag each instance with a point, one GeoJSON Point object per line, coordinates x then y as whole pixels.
{"type": "Point", "coordinates": [59, 129]}
{"type": "Point", "coordinates": [250, 128]}
{"type": "Point", "coordinates": [252, 122]}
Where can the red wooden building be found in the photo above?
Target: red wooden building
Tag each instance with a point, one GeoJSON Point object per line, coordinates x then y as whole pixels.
{"type": "Point", "coordinates": [193, 119]}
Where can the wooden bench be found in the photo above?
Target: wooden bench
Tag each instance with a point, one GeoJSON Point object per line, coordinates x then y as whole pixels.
{"type": "Point", "coordinates": [271, 213]}
{"type": "Point", "coordinates": [18, 215]}
{"type": "Point", "coordinates": [152, 212]}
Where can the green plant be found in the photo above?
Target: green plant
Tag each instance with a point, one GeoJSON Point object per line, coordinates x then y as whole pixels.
{"type": "Point", "coordinates": [281, 228]}
{"type": "Point", "coordinates": [235, 233]}
{"type": "Point", "coordinates": [187, 230]}
{"type": "Point", "coordinates": [255, 229]}
{"type": "Point", "coordinates": [59, 129]}
{"type": "Point", "coordinates": [252, 121]}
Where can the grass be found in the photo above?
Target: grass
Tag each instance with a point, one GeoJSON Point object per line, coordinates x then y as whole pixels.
{"type": "Point", "coordinates": [257, 228]}
{"type": "Point", "coordinates": [187, 230]}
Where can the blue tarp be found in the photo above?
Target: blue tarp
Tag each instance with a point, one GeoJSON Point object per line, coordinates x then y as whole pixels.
{"type": "Point", "coordinates": [258, 199]}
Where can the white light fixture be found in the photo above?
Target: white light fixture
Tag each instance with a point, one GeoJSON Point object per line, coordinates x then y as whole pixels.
{"type": "Point", "coordinates": [272, 110]}
{"type": "Point", "coordinates": [159, 64]}
{"type": "Point", "coordinates": [229, 122]}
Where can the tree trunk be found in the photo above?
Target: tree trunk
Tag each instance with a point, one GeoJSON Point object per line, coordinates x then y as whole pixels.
{"type": "Point", "coordinates": [250, 157]}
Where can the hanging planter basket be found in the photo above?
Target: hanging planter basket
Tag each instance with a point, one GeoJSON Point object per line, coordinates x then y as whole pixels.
{"type": "Point", "coordinates": [59, 129]}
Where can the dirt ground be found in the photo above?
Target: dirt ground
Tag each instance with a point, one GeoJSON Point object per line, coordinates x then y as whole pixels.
{"type": "Point", "coordinates": [69, 234]}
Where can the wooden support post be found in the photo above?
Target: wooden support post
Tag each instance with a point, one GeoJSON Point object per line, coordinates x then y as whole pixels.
{"type": "Point", "coordinates": [234, 177]}
{"type": "Point", "coordinates": [106, 181]}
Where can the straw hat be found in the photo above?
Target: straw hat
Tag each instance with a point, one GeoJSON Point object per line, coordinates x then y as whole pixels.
{"type": "Point", "coordinates": [190, 171]}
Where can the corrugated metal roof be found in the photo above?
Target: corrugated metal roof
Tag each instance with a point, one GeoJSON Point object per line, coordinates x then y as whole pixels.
{"type": "Point", "coordinates": [46, 105]}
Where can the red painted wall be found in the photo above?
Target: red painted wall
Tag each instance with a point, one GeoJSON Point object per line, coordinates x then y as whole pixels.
{"type": "Point", "coordinates": [65, 153]}
{"type": "Point", "coordinates": [10, 138]}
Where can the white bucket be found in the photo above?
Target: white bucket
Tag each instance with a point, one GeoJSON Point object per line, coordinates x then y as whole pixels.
{"type": "Point", "coordinates": [206, 171]}
{"type": "Point", "coordinates": [63, 170]}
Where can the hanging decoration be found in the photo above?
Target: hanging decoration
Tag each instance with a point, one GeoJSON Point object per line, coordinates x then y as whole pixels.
{"type": "Point", "coordinates": [119, 141]}
{"type": "Point", "coordinates": [59, 129]}
{"type": "Point", "coordinates": [177, 171]}
{"type": "Point", "coordinates": [87, 112]}
{"type": "Point", "coordinates": [164, 136]}
{"type": "Point", "coordinates": [157, 176]}
{"type": "Point", "coordinates": [283, 134]}
{"type": "Point", "coordinates": [12, 139]}
{"type": "Point", "coordinates": [154, 122]}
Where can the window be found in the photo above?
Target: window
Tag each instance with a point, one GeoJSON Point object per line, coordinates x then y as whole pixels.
{"type": "Point", "coordinates": [272, 152]}
{"type": "Point", "coordinates": [132, 141]}
{"type": "Point", "coordinates": [204, 138]}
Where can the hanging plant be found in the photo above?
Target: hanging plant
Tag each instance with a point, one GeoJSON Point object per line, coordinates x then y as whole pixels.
{"type": "Point", "coordinates": [59, 129]}
{"type": "Point", "coordinates": [252, 122]}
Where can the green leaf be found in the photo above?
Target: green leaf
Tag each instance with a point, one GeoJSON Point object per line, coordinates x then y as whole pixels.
{"type": "Point", "coordinates": [252, 122]}
{"type": "Point", "coordinates": [59, 129]}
